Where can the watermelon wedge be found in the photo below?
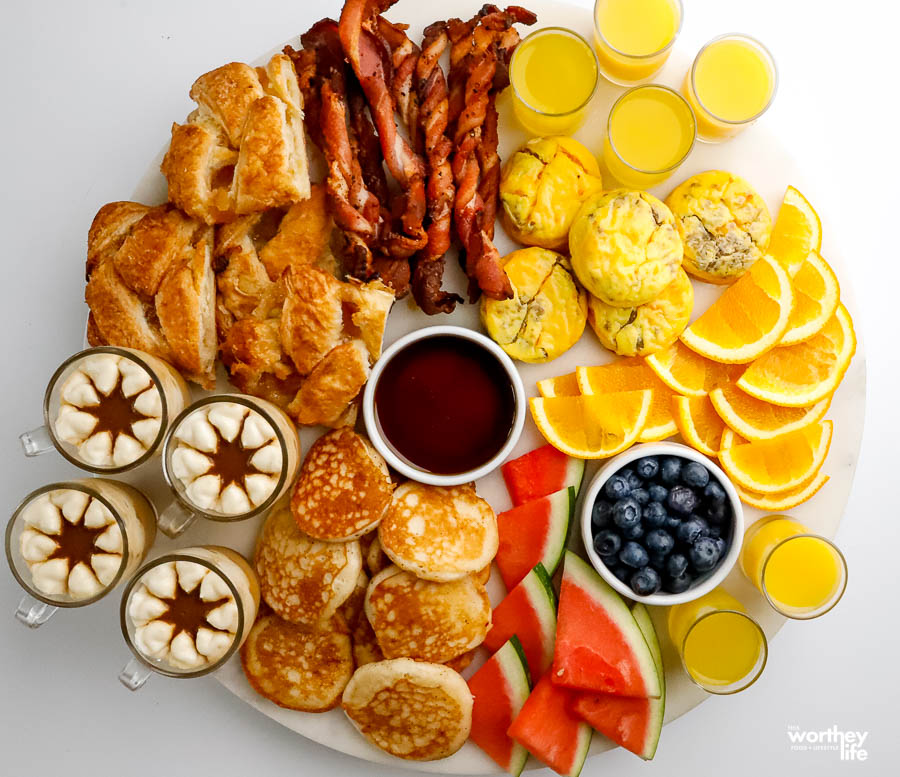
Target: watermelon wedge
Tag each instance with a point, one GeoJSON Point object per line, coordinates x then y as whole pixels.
{"type": "Point", "coordinates": [534, 533]}
{"type": "Point", "coordinates": [528, 612]}
{"type": "Point", "coordinates": [541, 472]}
{"type": "Point", "coordinates": [635, 724]}
{"type": "Point", "coordinates": [551, 731]}
{"type": "Point", "coordinates": [499, 690]}
{"type": "Point", "coordinates": [599, 646]}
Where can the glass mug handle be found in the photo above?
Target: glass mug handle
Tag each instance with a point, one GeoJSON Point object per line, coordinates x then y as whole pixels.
{"type": "Point", "coordinates": [36, 441]}
{"type": "Point", "coordinates": [175, 519]}
{"type": "Point", "coordinates": [134, 674]}
{"type": "Point", "coordinates": [34, 613]}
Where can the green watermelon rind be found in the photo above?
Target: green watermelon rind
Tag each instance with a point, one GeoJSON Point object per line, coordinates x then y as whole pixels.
{"type": "Point", "coordinates": [657, 706]}
{"type": "Point", "coordinates": [588, 579]}
{"type": "Point", "coordinates": [514, 667]}
{"type": "Point", "coordinates": [585, 735]}
{"type": "Point", "coordinates": [562, 510]}
{"type": "Point", "coordinates": [539, 589]}
{"type": "Point", "coordinates": [574, 474]}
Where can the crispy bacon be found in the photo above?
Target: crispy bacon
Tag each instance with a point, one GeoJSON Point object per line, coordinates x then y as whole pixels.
{"type": "Point", "coordinates": [404, 58]}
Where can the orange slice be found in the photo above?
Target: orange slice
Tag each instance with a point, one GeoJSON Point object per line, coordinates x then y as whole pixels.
{"type": "Point", "coordinates": [562, 386]}
{"type": "Point", "coordinates": [748, 319]}
{"type": "Point", "coordinates": [592, 427]}
{"type": "Point", "coordinates": [757, 420]}
{"type": "Point", "coordinates": [783, 463]}
{"type": "Point", "coordinates": [802, 374]}
{"type": "Point", "coordinates": [797, 231]}
{"type": "Point", "coordinates": [730, 439]}
{"type": "Point", "coordinates": [783, 500]}
{"type": "Point", "coordinates": [699, 424]}
{"type": "Point", "coordinates": [688, 373]}
{"type": "Point", "coordinates": [628, 375]}
{"type": "Point", "coordinates": [816, 297]}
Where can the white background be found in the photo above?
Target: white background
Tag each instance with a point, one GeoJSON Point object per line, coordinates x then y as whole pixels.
{"type": "Point", "coordinates": [88, 90]}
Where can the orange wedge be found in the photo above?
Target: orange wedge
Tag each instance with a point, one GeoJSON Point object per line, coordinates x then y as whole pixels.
{"type": "Point", "coordinates": [628, 375]}
{"type": "Point", "coordinates": [748, 319]}
{"type": "Point", "coordinates": [592, 427]}
{"type": "Point", "coordinates": [562, 386]}
{"type": "Point", "coordinates": [730, 439]}
{"type": "Point", "coordinates": [688, 373]}
{"type": "Point", "coordinates": [699, 424]}
{"type": "Point", "coordinates": [757, 420]}
{"type": "Point", "coordinates": [802, 374]}
{"type": "Point", "coordinates": [797, 231]}
{"type": "Point", "coordinates": [783, 500]}
{"type": "Point", "coordinates": [816, 297]}
{"type": "Point", "coordinates": [783, 463]}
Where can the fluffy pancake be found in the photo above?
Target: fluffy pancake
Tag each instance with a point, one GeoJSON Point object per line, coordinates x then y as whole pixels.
{"type": "Point", "coordinates": [365, 644]}
{"type": "Point", "coordinates": [343, 489]}
{"type": "Point", "coordinates": [352, 610]}
{"type": "Point", "coordinates": [459, 663]}
{"type": "Point", "coordinates": [426, 620]}
{"type": "Point", "coordinates": [303, 580]}
{"type": "Point", "coordinates": [410, 709]}
{"type": "Point", "coordinates": [295, 667]}
{"type": "Point", "coordinates": [375, 557]}
{"type": "Point", "coordinates": [439, 533]}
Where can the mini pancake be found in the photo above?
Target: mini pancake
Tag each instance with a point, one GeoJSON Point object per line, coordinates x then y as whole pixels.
{"type": "Point", "coordinates": [483, 575]}
{"type": "Point", "coordinates": [460, 663]}
{"type": "Point", "coordinates": [365, 644]}
{"type": "Point", "coordinates": [295, 667]}
{"type": "Point", "coordinates": [343, 489]}
{"type": "Point", "coordinates": [303, 580]}
{"type": "Point", "coordinates": [410, 709]}
{"type": "Point", "coordinates": [352, 610]}
{"type": "Point", "coordinates": [376, 559]}
{"type": "Point", "coordinates": [439, 533]}
{"type": "Point", "coordinates": [425, 620]}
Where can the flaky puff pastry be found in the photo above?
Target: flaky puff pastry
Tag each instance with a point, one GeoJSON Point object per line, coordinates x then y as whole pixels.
{"type": "Point", "coordinates": [243, 149]}
{"type": "Point", "coordinates": [151, 286]}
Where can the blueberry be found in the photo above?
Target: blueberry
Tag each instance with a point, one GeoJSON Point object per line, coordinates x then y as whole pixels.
{"type": "Point", "coordinates": [641, 496]}
{"type": "Point", "coordinates": [657, 492]}
{"type": "Point", "coordinates": [633, 480]}
{"type": "Point", "coordinates": [607, 543]}
{"type": "Point", "coordinates": [622, 572]}
{"type": "Point", "coordinates": [654, 515]}
{"type": "Point", "coordinates": [682, 500]}
{"type": "Point", "coordinates": [670, 470]}
{"type": "Point", "coordinates": [659, 542]}
{"type": "Point", "coordinates": [722, 545]}
{"type": "Point", "coordinates": [680, 584]}
{"type": "Point", "coordinates": [645, 581]}
{"type": "Point", "coordinates": [695, 475]}
{"type": "Point", "coordinates": [714, 493]}
{"type": "Point", "coordinates": [601, 514]}
{"type": "Point", "coordinates": [717, 512]}
{"type": "Point", "coordinates": [634, 555]}
{"type": "Point", "coordinates": [689, 531]}
{"type": "Point", "coordinates": [715, 532]}
{"type": "Point", "coordinates": [647, 467]}
{"type": "Point", "coordinates": [676, 564]}
{"type": "Point", "coordinates": [617, 487]}
{"type": "Point", "coordinates": [633, 532]}
{"type": "Point", "coordinates": [704, 554]}
{"type": "Point", "coordinates": [704, 531]}
{"type": "Point", "coordinates": [658, 562]}
{"type": "Point", "coordinates": [673, 523]}
{"type": "Point", "coordinates": [626, 513]}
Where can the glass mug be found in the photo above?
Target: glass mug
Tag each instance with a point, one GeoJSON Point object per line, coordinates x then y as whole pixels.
{"type": "Point", "coordinates": [227, 457]}
{"type": "Point", "coordinates": [69, 544]}
{"type": "Point", "coordinates": [186, 613]}
{"type": "Point", "coordinates": [107, 409]}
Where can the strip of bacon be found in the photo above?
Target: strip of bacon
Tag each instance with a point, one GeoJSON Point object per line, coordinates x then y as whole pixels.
{"type": "Point", "coordinates": [404, 58]}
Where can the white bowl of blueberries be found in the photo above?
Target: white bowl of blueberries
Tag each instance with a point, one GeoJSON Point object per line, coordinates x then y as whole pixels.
{"type": "Point", "coordinates": [662, 524]}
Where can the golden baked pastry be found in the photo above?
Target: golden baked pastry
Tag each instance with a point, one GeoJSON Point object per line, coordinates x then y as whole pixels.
{"type": "Point", "coordinates": [150, 286]}
{"type": "Point", "coordinates": [243, 149]}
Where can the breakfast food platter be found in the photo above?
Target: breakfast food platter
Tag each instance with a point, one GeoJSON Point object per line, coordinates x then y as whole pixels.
{"type": "Point", "coordinates": [756, 155]}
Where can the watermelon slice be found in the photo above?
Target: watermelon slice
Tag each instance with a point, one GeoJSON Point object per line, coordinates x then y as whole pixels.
{"type": "Point", "coordinates": [541, 472]}
{"type": "Point", "coordinates": [635, 724]}
{"type": "Point", "coordinates": [499, 689]}
{"type": "Point", "coordinates": [528, 612]}
{"type": "Point", "coordinates": [599, 646]}
{"type": "Point", "coordinates": [551, 731]}
{"type": "Point", "coordinates": [533, 533]}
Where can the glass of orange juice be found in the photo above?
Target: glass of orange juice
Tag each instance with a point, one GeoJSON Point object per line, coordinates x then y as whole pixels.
{"type": "Point", "coordinates": [554, 74]}
{"type": "Point", "coordinates": [634, 37]}
{"type": "Point", "coordinates": [722, 648]}
{"type": "Point", "coordinates": [649, 133]}
{"type": "Point", "coordinates": [802, 575]}
{"type": "Point", "coordinates": [731, 83]}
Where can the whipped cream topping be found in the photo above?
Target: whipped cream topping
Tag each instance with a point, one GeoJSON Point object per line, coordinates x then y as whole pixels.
{"type": "Point", "coordinates": [71, 544]}
{"type": "Point", "coordinates": [228, 458]}
{"type": "Point", "coordinates": [110, 410]}
{"type": "Point", "coordinates": [184, 615]}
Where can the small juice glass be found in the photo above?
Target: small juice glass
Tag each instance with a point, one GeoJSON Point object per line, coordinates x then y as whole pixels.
{"type": "Point", "coordinates": [723, 650]}
{"type": "Point", "coordinates": [635, 37]}
{"type": "Point", "coordinates": [802, 575]}
{"type": "Point", "coordinates": [649, 133]}
{"type": "Point", "coordinates": [731, 83]}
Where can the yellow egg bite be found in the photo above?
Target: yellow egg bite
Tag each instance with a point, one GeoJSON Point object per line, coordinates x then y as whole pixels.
{"type": "Point", "coordinates": [548, 310]}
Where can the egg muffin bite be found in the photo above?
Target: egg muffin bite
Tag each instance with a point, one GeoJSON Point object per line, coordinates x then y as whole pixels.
{"type": "Point", "coordinates": [648, 328]}
{"type": "Point", "coordinates": [543, 185]}
{"type": "Point", "coordinates": [724, 224]}
{"type": "Point", "coordinates": [625, 247]}
{"type": "Point", "coordinates": [547, 313]}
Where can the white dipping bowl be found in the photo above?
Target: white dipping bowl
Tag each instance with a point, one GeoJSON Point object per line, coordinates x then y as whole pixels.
{"type": "Point", "coordinates": [702, 585]}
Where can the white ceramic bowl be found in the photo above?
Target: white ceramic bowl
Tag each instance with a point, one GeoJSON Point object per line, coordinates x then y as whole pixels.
{"type": "Point", "coordinates": [705, 584]}
{"type": "Point", "coordinates": [373, 428]}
